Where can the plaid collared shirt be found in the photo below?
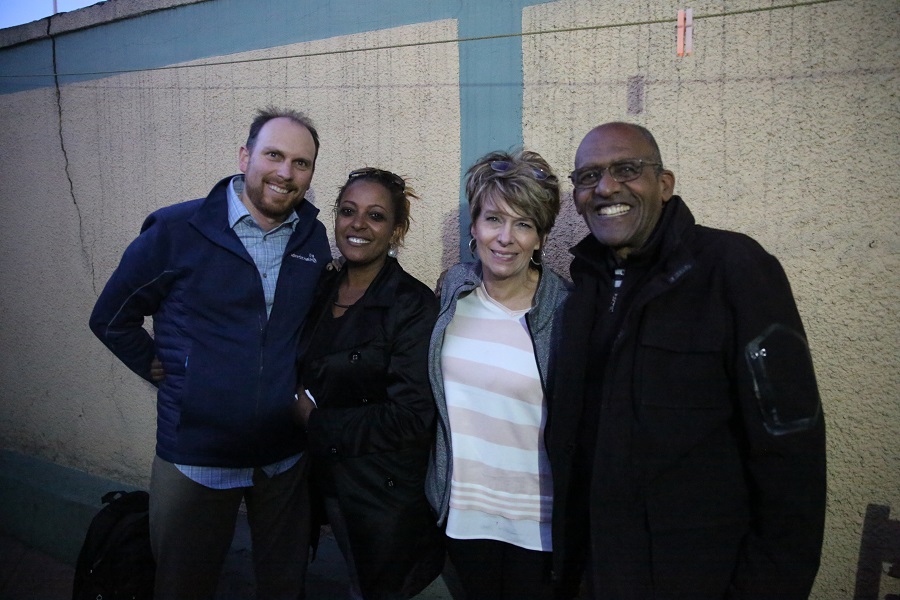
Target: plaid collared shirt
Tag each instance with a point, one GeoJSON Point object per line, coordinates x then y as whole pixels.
{"type": "Point", "coordinates": [265, 247]}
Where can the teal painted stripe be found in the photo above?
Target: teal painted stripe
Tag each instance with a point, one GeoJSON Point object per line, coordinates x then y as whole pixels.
{"type": "Point", "coordinates": [29, 59]}
{"type": "Point", "coordinates": [490, 91]}
{"type": "Point", "coordinates": [207, 29]}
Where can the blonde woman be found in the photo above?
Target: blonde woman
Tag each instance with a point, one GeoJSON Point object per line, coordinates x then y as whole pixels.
{"type": "Point", "coordinates": [489, 479]}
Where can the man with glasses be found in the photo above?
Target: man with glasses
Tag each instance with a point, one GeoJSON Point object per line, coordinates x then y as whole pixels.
{"type": "Point", "coordinates": [228, 279]}
{"type": "Point", "coordinates": [685, 431]}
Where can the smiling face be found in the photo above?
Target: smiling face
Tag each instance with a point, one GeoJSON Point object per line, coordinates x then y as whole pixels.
{"type": "Point", "coordinates": [621, 215]}
{"type": "Point", "coordinates": [277, 170]}
{"type": "Point", "coordinates": [505, 240]}
{"type": "Point", "coordinates": [364, 224]}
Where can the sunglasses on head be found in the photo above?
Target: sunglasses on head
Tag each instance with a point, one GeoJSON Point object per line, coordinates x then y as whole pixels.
{"type": "Point", "coordinates": [502, 166]}
{"type": "Point", "coordinates": [381, 175]}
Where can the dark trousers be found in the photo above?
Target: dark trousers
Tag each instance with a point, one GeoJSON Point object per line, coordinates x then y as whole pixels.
{"type": "Point", "coordinates": [491, 570]}
{"type": "Point", "coordinates": [192, 526]}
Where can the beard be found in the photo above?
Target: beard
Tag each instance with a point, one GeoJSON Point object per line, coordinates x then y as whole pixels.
{"type": "Point", "coordinates": [271, 209]}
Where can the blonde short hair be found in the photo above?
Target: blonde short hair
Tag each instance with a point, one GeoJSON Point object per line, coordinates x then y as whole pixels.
{"type": "Point", "coordinates": [523, 179]}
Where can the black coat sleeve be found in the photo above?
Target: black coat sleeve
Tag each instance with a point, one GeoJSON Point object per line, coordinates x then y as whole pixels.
{"type": "Point", "coordinates": [785, 462]}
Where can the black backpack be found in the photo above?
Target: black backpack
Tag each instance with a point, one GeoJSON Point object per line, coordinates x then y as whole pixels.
{"type": "Point", "coordinates": [115, 562]}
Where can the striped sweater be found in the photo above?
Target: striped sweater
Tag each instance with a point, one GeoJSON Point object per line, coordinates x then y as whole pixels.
{"type": "Point", "coordinates": [507, 502]}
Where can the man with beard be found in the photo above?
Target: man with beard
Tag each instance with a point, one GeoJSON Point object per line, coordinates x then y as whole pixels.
{"type": "Point", "coordinates": [686, 437]}
{"type": "Point", "coordinates": [228, 280]}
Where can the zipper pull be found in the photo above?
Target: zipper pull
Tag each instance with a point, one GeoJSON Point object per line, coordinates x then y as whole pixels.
{"type": "Point", "coordinates": [618, 277]}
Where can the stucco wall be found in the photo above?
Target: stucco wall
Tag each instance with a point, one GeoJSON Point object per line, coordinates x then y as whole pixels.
{"type": "Point", "coordinates": [784, 124]}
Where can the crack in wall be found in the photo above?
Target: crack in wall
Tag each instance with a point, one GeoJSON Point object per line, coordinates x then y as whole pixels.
{"type": "Point", "coordinates": [62, 145]}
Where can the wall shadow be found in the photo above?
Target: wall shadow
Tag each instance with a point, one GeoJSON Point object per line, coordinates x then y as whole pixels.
{"type": "Point", "coordinates": [879, 553]}
{"type": "Point", "coordinates": [450, 240]}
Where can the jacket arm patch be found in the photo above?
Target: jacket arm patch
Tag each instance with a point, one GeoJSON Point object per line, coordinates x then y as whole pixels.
{"type": "Point", "coordinates": [783, 380]}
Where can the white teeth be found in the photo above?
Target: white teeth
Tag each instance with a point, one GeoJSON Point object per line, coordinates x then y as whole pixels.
{"type": "Point", "coordinates": [615, 209]}
{"type": "Point", "coordinates": [356, 240]}
{"type": "Point", "coordinates": [280, 190]}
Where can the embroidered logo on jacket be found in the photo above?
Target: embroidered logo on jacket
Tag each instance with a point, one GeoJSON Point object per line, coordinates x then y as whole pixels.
{"type": "Point", "coordinates": [311, 258]}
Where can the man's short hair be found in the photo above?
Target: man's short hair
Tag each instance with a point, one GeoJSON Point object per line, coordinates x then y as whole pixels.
{"type": "Point", "coordinates": [648, 137]}
{"type": "Point", "coordinates": [264, 115]}
{"type": "Point", "coordinates": [523, 179]}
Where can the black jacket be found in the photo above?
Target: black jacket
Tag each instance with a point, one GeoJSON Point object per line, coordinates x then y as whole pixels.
{"type": "Point", "coordinates": [374, 427]}
{"type": "Point", "coordinates": [707, 475]}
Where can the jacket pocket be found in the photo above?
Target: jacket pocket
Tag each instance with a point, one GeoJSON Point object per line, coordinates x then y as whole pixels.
{"type": "Point", "coordinates": [681, 364]}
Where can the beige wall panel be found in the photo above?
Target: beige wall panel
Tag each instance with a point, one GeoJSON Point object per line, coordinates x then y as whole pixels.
{"type": "Point", "coordinates": [138, 141]}
{"type": "Point", "coordinates": [61, 397]}
{"type": "Point", "coordinates": [785, 125]}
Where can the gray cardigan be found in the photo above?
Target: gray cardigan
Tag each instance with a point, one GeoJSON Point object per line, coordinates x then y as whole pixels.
{"type": "Point", "coordinates": [459, 281]}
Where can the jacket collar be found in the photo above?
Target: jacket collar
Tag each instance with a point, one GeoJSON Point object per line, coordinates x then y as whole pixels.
{"type": "Point", "coordinates": [666, 250]}
{"type": "Point", "coordinates": [211, 219]}
{"type": "Point", "coordinates": [358, 326]}
{"type": "Point", "coordinates": [671, 249]}
{"type": "Point", "coordinates": [383, 288]}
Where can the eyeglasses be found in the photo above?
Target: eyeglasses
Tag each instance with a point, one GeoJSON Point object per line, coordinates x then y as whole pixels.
{"type": "Point", "coordinates": [502, 166]}
{"type": "Point", "coordinates": [621, 172]}
{"type": "Point", "coordinates": [383, 176]}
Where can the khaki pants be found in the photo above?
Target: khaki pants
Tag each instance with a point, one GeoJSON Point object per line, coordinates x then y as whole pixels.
{"type": "Point", "coordinates": [192, 526]}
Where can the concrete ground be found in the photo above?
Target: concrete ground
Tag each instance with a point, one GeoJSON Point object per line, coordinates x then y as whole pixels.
{"type": "Point", "coordinates": [29, 574]}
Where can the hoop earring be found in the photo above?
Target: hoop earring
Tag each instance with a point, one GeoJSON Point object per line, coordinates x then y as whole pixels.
{"type": "Point", "coordinates": [392, 251]}
{"type": "Point", "coordinates": [472, 245]}
{"type": "Point", "coordinates": [537, 263]}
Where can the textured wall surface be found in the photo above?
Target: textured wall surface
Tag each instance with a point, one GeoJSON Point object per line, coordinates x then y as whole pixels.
{"type": "Point", "coordinates": [784, 124]}
{"type": "Point", "coordinates": [173, 133]}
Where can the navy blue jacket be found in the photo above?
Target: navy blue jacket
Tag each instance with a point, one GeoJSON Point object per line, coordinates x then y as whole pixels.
{"type": "Point", "coordinates": [230, 370]}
